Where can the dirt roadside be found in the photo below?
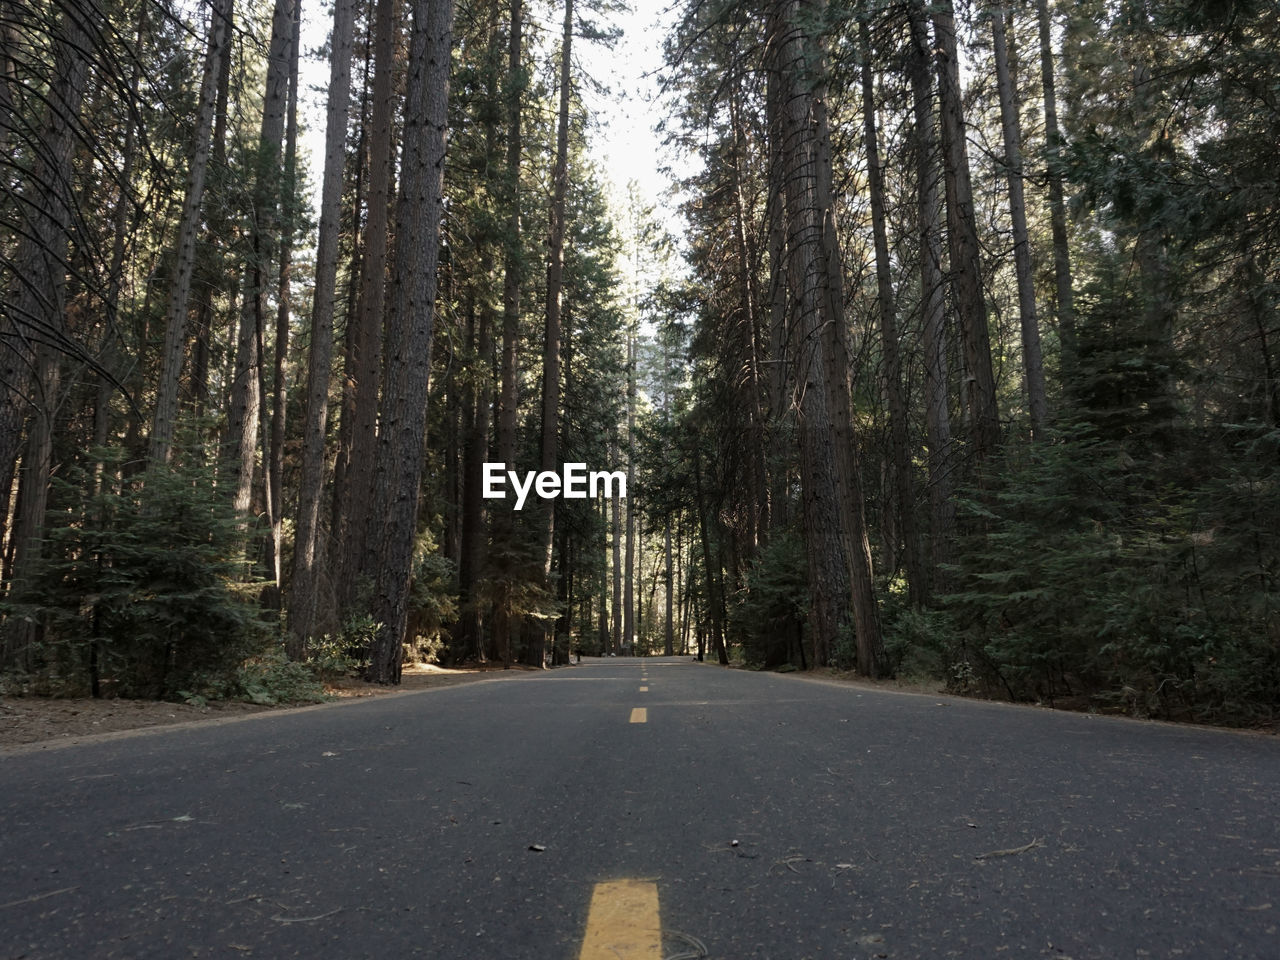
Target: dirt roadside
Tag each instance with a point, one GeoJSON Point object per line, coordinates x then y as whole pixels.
{"type": "Point", "coordinates": [28, 721]}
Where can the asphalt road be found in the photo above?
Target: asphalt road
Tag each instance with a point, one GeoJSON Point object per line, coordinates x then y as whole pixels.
{"type": "Point", "coordinates": [775, 817]}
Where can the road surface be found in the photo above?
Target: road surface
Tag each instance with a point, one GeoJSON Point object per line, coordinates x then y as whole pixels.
{"type": "Point", "coordinates": [647, 809]}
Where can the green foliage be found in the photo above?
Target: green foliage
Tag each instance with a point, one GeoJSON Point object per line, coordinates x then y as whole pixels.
{"type": "Point", "coordinates": [768, 613]}
{"type": "Point", "coordinates": [432, 600]}
{"type": "Point", "coordinates": [267, 678]}
{"type": "Point", "coordinates": [135, 595]}
{"type": "Point", "coordinates": [346, 652]}
{"type": "Point", "coordinates": [271, 678]}
{"type": "Point", "coordinates": [918, 644]}
{"type": "Point", "coordinates": [1087, 573]}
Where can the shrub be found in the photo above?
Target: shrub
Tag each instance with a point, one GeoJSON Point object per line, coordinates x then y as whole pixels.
{"type": "Point", "coordinates": [768, 613]}
{"type": "Point", "coordinates": [135, 593]}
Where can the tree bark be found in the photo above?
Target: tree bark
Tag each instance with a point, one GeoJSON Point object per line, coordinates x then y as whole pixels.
{"type": "Point", "coordinates": [246, 391]}
{"type": "Point", "coordinates": [1057, 202]}
{"type": "Point", "coordinates": [932, 306]}
{"type": "Point", "coordinates": [402, 440]}
{"type": "Point", "coordinates": [628, 585]}
{"type": "Point", "coordinates": [841, 593]}
{"type": "Point", "coordinates": [758, 484]}
{"type": "Point", "coordinates": [503, 521]}
{"type": "Point", "coordinates": [166, 409]}
{"type": "Point", "coordinates": [356, 492]}
{"type": "Point", "coordinates": [1011, 128]}
{"type": "Point", "coordinates": [304, 605]}
{"type": "Point", "coordinates": [555, 282]}
{"type": "Point", "coordinates": [274, 467]}
{"type": "Point", "coordinates": [899, 447]}
{"type": "Point", "coordinates": [33, 325]}
{"type": "Point", "coordinates": [962, 236]}
{"type": "Point", "coordinates": [616, 517]}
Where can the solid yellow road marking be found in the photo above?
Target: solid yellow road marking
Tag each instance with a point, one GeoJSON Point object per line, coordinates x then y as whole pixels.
{"type": "Point", "coordinates": [622, 923]}
{"type": "Point", "coordinates": [644, 689]}
{"type": "Point", "coordinates": [639, 715]}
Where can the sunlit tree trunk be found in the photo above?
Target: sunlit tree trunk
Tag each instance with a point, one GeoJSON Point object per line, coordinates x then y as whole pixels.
{"type": "Point", "coordinates": [1011, 128]}
{"type": "Point", "coordinates": [246, 391]}
{"type": "Point", "coordinates": [900, 454]}
{"type": "Point", "coordinates": [1057, 201]}
{"type": "Point", "coordinates": [555, 282]}
{"type": "Point", "coordinates": [503, 520]}
{"type": "Point", "coordinates": [402, 440]}
{"type": "Point", "coordinates": [629, 570]}
{"type": "Point", "coordinates": [356, 492]}
{"type": "Point", "coordinates": [274, 459]}
{"type": "Point", "coordinates": [932, 306]}
{"type": "Point", "coordinates": [615, 511]}
{"type": "Point", "coordinates": [304, 601]}
{"type": "Point", "coordinates": [166, 404]}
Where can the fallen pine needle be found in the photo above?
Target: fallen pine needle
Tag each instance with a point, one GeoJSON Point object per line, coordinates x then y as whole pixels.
{"type": "Point", "coordinates": [1012, 851]}
{"type": "Point", "coordinates": [38, 896]}
{"type": "Point", "coordinates": [318, 916]}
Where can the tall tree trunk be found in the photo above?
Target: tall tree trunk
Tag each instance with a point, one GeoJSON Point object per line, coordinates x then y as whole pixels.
{"type": "Point", "coordinates": [479, 396]}
{"type": "Point", "coordinates": [555, 281]}
{"type": "Point", "coordinates": [1057, 201]}
{"type": "Point", "coordinates": [932, 306]}
{"type": "Point", "coordinates": [602, 628]}
{"type": "Point", "coordinates": [865, 609]}
{"type": "Point", "coordinates": [711, 565]}
{"type": "Point", "coordinates": [780, 383]}
{"type": "Point", "coordinates": [1011, 128]}
{"type": "Point", "coordinates": [841, 594]}
{"type": "Point", "coordinates": [503, 521]}
{"type": "Point", "coordinates": [33, 314]}
{"type": "Point", "coordinates": [166, 409]}
{"type": "Point", "coordinates": [209, 276]}
{"type": "Point", "coordinates": [356, 493]}
{"type": "Point", "coordinates": [900, 453]}
{"type": "Point", "coordinates": [475, 451]}
{"type": "Point", "coordinates": [246, 391]}
{"type": "Point", "coordinates": [668, 632]}
{"type": "Point", "coordinates": [962, 236]}
{"type": "Point", "coordinates": [274, 465]}
{"type": "Point", "coordinates": [33, 498]}
{"type": "Point", "coordinates": [629, 586]}
{"type": "Point", "coordinates": [616, 636]}
{"type": "Point", "coordinates": [403, 438]}
{"type": "Point", "coordinates": [758, 484]}
{"type": "Point", "coordinates": [304, 602]}
{"type": "Point", "coordinates": [246, 398]}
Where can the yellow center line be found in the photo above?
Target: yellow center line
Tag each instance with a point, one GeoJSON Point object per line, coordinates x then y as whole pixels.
{"type": "Point", "coordinates": [639, 715]}
{"type": "Point", "coordinates": [644, 689]}
{"type": "Point", "coordinates": [622, 922]}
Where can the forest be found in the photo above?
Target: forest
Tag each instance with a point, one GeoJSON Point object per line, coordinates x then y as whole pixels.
{"type": "Point", "coordinates": [962, 365]}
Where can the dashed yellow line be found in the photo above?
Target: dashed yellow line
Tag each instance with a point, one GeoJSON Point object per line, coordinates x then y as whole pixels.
{"type": "Point", "coordinates": [639, 715]}
{"type": "Point", "coordinates": [644, 689]}
{"type": "Point", "coordinates": [622, 922]}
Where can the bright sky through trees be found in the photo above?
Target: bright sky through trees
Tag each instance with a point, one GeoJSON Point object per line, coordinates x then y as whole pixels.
{"type": "Point", "coordinates": [627, 145]}
{"type": "Point", "coordinates": [623, 98]}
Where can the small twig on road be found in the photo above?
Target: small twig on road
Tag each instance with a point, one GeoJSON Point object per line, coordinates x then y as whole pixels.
{"type": "Point", "coordinates": [157, 824]}
{"type": "Point", "coordinates": [38, 896]}
{"type": "Point", "coordinates": [318, 916]}
{"type": "Point", "coordinates": [698, 952]}
{"type": "Point", "coordinates": [1012, 851]}
{"type": "Point", "coordinates": [789, 862]}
